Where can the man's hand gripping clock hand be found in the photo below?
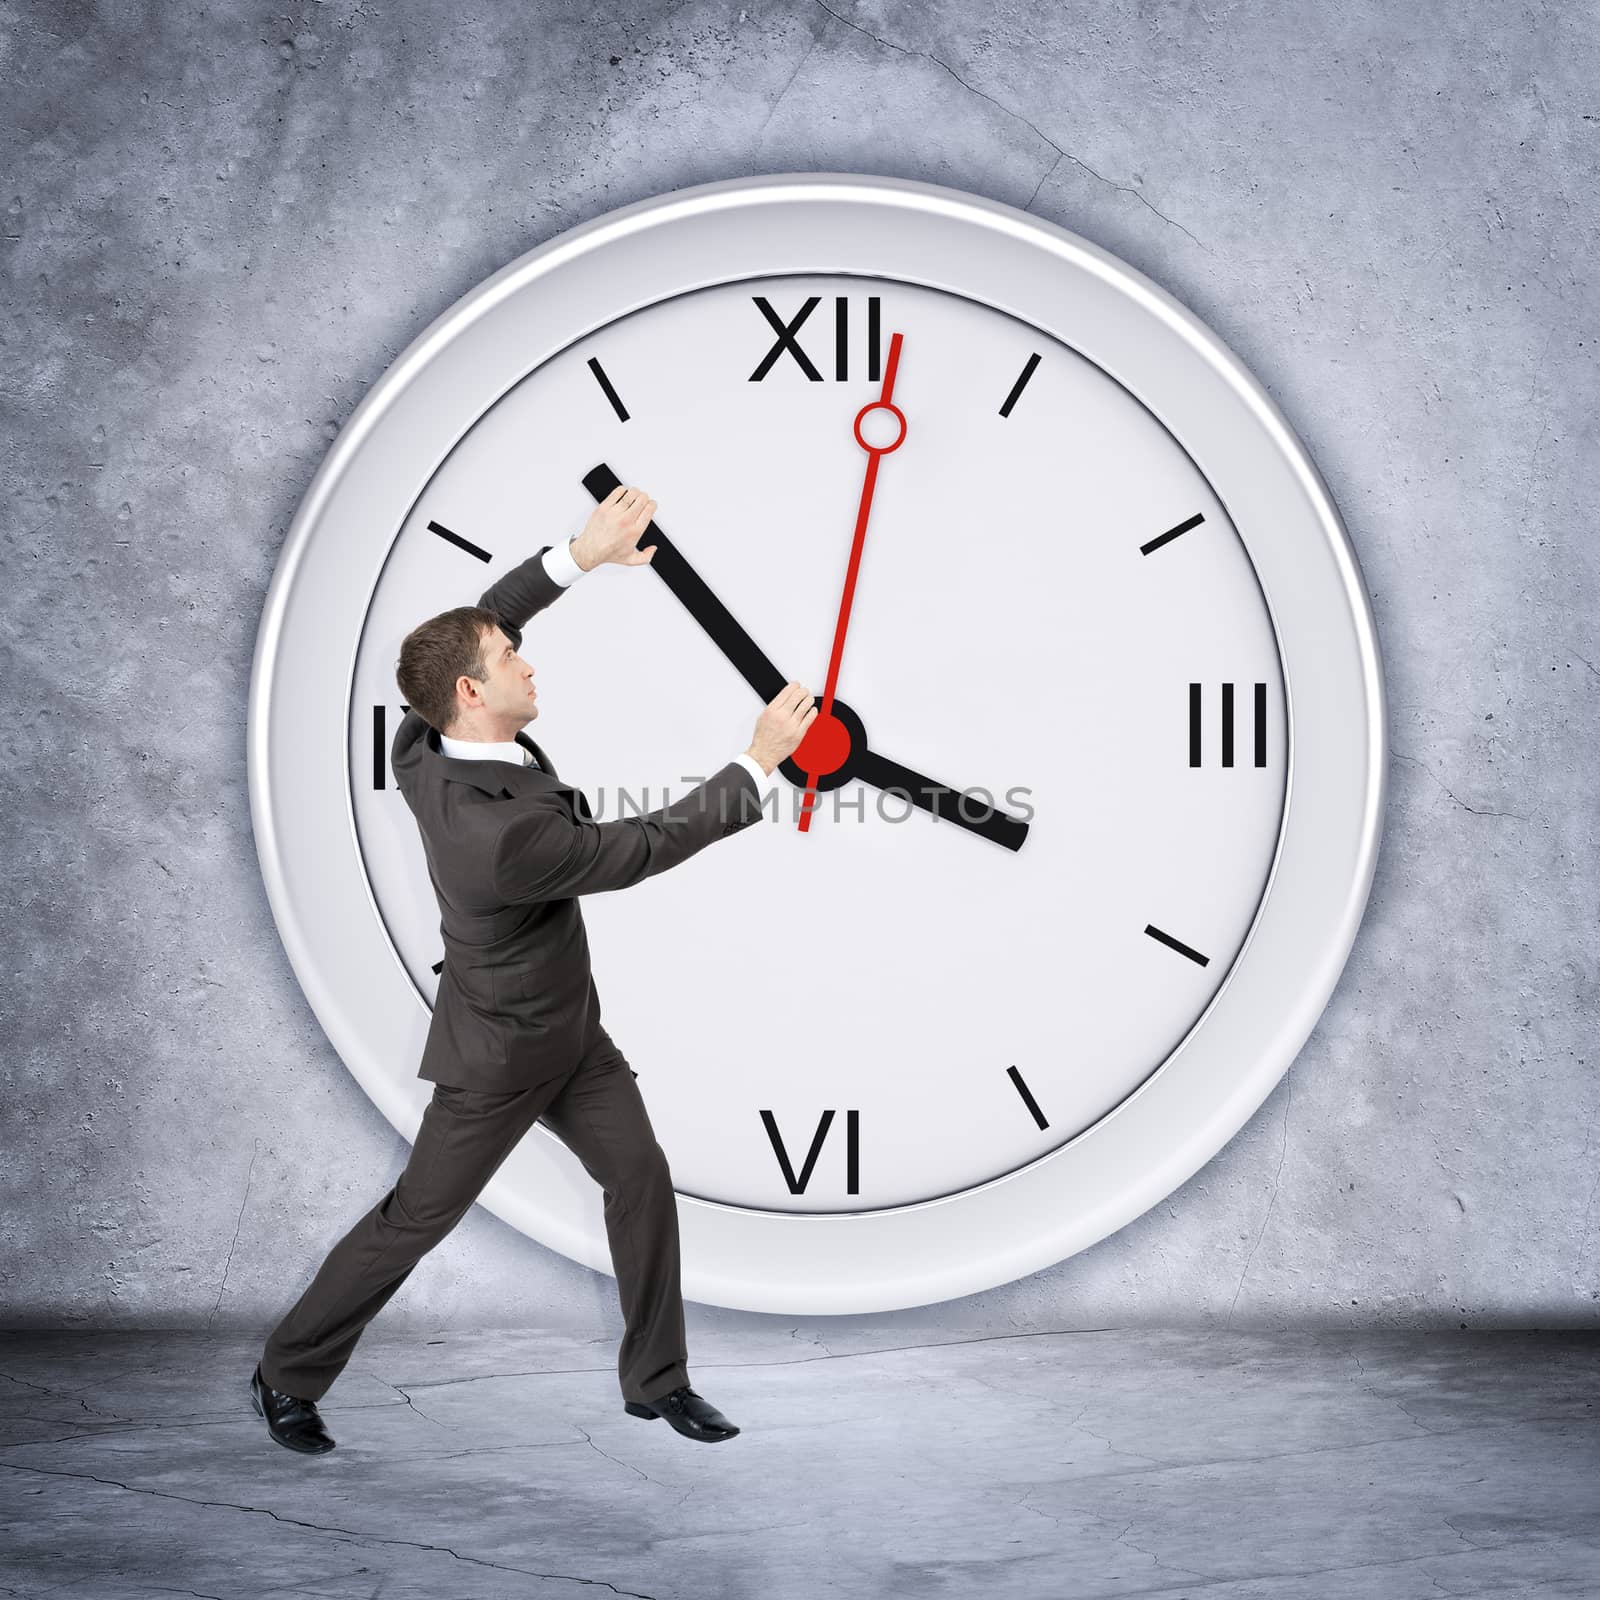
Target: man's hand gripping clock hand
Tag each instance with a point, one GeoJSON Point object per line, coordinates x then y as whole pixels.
{"type": "Point", "coordinates": [781, 727]}
{"type": "Point", "coordinates": [612, 534]}
{"type": "Point", "coordinates": [613, 529]}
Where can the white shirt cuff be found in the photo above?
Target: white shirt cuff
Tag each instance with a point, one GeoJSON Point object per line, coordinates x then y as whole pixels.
{"type": "Point", "coordinates": [561, 567]}
{"type": "Point", "coordinates": [753, 767]}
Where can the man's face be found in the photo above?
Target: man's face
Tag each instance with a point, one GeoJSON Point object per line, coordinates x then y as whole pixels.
{"type": "Point", "coordinates": [508, 695]}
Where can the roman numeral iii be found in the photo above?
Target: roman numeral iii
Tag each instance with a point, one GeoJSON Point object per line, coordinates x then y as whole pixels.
{"type": "Point", "coordinates": [1225, 721]}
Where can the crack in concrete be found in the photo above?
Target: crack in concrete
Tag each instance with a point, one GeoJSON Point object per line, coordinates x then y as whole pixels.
{"type": "Point", "coordinates": [144, 1589]}
{"type": "Point", "coordinates": [67, 1438]}
{"type": "Point", "coordinates": [24, 1383]}
{"type": "Point", "coordinates": [1187, 1572]}
{"type": "Point", "coordinates": [828, 1355]}
{"type": "Point", "coordinates": [1131, 1455]}
{"type": "Point", "coordinates": [1137, 194]}
{"type": "Point", "coordinates": [772, 111]}
{"type": "Point", "coordinates": [344, 1535]}
{"type": "Point", "coordinates": [1277, 1177]}
{"type": "Point", "coordinates": [1043, 181]}
{"type": "Point", "coordinates": [1023, 1502]}
{"type": "Point", "coordinates": [760, 1527]}
{"type": "Point", "coordinates": [67, 1396]}
{"type": "Point", "coordinates": [1389, 1399]}
{"type": "Point", "coordinates": [222, 1288]}
{"type": "Point", "coordinates": [814, 1340]}
{"type": "Point", "coordinates": [57, 1394]}
{"type": "Point", "coordinates": [125, 1425]}
{"type": "Point", "coordinates": [611, 1458]}
{"type": "Point", "coordinates": [1399, 756]}
{"type": "Point", "coordinates": [928, 55]}
{"type": "Point", "coordinates": [505, 1449]}
{"type": "Point", "coordinates": [410, 1402]}
{"type": "Point", "coordinates": [1405, 1408]}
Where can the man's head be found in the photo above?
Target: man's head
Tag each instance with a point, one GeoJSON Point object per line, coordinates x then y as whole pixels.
{"type": "Point", "coordinates": [461, 674]}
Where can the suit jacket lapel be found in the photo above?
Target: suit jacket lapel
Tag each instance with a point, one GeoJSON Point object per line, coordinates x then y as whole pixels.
{"type": "Point", "coordinates": [579, 798]}
{"type": "Point", "coordinates": [492, 775]}
{"type": "Point", "coordinates": [538, 753]}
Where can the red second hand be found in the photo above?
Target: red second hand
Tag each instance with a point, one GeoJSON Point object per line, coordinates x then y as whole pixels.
{"type": "Point", "coordinates": [875, 453]}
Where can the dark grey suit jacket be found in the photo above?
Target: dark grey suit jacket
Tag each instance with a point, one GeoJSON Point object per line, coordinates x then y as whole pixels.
{"type": "Point", "coordinates": [509, 850]}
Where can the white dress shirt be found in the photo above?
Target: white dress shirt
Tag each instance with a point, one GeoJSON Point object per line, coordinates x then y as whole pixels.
{"type": "Point", "coordinates": [564, 570]}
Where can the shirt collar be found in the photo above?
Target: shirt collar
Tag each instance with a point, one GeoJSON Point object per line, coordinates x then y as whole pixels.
{"type": "Point", "coordinates": [481, 750]}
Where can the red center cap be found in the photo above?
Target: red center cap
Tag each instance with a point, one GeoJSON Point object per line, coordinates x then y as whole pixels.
{"type": "Point", "coordinates": [825, 746]}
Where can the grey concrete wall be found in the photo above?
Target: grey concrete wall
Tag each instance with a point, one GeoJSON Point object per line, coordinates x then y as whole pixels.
{"type": "Point", "coordinates": [222, 222]}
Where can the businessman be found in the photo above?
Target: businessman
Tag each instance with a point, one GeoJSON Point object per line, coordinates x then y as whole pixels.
{"type": "Point", "coordinates": [516, 1036]}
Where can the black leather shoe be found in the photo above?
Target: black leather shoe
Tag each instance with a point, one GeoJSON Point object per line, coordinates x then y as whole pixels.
{"type": "Point", "coordinates": [290, 1420]}
{"type": "Point", "coordinates": [692, 1415]}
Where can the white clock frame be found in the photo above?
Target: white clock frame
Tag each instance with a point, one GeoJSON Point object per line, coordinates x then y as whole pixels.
{"type": "Point", "coordinates": [1115, 317]}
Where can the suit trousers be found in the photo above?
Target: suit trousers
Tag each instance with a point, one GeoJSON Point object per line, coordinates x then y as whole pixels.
{"type": "Point", "coordinates": [597, 1112]}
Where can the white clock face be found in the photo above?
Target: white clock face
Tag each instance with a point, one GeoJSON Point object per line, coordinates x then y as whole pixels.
{"type": "Point", "coordinates": [1052, 612]}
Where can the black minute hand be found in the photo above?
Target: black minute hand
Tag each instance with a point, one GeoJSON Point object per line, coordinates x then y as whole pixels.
{"type": "Point", "coordinates": [698, 600]}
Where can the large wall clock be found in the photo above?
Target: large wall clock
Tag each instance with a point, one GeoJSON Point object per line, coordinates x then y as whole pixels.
{"type": "Point", "coordinates": [905, 1040]}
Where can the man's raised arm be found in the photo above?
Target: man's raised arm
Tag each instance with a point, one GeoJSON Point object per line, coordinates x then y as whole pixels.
{"type": "Point", "coordinates": [528, 588]}
{"type": "Point", "coordinates": [611, 534]}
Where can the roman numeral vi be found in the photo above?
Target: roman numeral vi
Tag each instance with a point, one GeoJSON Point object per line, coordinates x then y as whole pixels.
{"type": "Point", "coordinates": [852, 1151]}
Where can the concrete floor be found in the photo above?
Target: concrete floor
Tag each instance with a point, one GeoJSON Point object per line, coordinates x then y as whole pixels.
{"type": "Point", "coordinates": [1234, 1466]}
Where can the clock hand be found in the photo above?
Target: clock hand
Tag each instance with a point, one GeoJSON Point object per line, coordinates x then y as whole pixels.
{"type": "Point", "coordinates": [851, 756]}
{"type": "Point", "coordinates": [989, 823]}
{"type": "Point", "coordinates": [698, 600]}
{"type": "Point", "coordinates": [823, 733]}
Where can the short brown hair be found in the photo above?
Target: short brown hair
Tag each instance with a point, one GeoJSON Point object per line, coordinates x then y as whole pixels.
{"type": "Point", "coordinates": [437, 652]}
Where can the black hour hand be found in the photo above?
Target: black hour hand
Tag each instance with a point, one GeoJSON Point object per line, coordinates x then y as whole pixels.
{"type": "Point", "coordinates": [949, 805]}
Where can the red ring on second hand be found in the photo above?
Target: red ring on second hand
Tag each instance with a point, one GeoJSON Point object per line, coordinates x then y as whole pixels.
{"type": "Point", "coordinates": [880, 449]}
